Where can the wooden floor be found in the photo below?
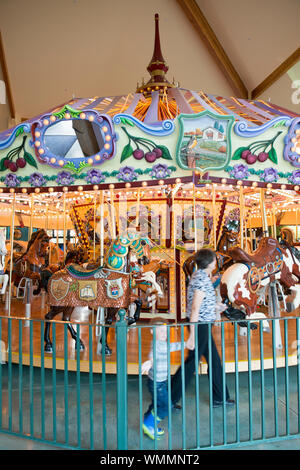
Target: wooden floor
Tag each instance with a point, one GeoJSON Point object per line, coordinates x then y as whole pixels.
{"type": "Point", "coordinates": [24, 333]}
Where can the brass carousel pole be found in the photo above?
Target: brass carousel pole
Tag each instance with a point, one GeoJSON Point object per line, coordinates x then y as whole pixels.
{"type": "Point", "coordinates": [274, 222]}
{"type": "Point", "coordinates": [250, 232]}
{"type": "Point", "coordinates": [242, 216]}
{"type": "Point", "coordinates": [31, 216]}
{"type": "Point", "coordinates": [47, 228]}
{"type": "Point", "coordinates": [195, 219]}
{"type": "Point", "coordinates": [102, 228]}
{"type": "Point", "coordinates": [57, 227]}
{"type": "Point", "coordinates": [173, 226]}
{"type": "Point", "coordinates": [296, 225]}
{"type": "Point", "coordinates": [137, 218]}
{"type": "Point", "coordinates": [263, 212]}
{"type": "Point", "coordinates": [65, 225]}
{"type": "Point", "coordinates": [214, 216]}
{"type": "Point", "coordinates": [12, 229]}
{"type": "Point", "coordinates": [95, 206]}
{"type": "Point", "coordinates": [113, 215]}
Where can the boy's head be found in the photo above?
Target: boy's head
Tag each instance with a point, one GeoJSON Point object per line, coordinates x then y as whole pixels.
{"type": "Point", "coordinates": [160, 327]}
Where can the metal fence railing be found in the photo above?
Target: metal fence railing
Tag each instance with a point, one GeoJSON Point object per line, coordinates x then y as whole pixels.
{"type": "Point", "coordinates": [79, 399]}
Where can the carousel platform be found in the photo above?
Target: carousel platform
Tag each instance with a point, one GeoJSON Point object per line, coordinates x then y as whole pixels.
{"type": "Point", "coordinates": [25, 334]}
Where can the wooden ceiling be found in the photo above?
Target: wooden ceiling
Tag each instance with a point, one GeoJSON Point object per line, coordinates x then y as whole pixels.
{"type": "Point", "coordinates": [45, 46]}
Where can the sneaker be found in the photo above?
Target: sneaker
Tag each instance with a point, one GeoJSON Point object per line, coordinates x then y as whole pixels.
{"type": "Point", "coordinates": [175, 406]}
{"type": "Point", "coordinates": [150, 432]}
{"type": "Point", "coordinates": [148, 427]}
{"type": "Point", "coordinates": [228, 402]}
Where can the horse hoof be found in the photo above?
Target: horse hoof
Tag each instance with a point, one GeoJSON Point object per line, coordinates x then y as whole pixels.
{"type": "Point", "coordinates": [48, 348]}
{"type": "Point", "coordinates": [131, 321]}
{"type": "Point", "coordinates": [81, 346]}
{"type": "Point", "coordinates": [107, 350]}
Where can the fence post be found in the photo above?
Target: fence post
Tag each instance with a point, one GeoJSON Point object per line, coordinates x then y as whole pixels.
{"type": "Point", "coordinates": [122, 415]}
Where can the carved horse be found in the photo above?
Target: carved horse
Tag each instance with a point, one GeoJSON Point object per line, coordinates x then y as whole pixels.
{"type": "Point", "coordinates": [75, 256]}
{"type": "Point", "coordinates": [287, 236]}
{"type": "Point", "coordinates": [242, 282]}
{"type": "Point", "coordinates": [228, 239]}
{"type": "Point", "coordinates": [107, 286]}
{"type": "Point", "coordinates": [30, 264]}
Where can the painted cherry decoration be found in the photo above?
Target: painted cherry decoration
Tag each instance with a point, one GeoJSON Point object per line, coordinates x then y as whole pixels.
{"type": "Point", "coordinates": [138, 154]}
{"type": "Point", "coordinates": [150, 157]}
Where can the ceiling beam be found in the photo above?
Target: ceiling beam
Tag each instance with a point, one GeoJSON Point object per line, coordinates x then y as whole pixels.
{"type": "Point", "coordinates": [276, 74]}
{"type": "Point", "coordinates": [197, 18]}
{"type": "Point", "coordinates": [6, 80]}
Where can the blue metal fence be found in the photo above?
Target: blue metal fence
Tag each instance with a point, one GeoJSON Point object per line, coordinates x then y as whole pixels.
{"type": "Point", "coordinates": [71, 402]}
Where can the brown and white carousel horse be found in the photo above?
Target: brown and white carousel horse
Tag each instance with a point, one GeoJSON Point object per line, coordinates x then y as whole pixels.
{"type": "Point", "coordinates": [242, 282]}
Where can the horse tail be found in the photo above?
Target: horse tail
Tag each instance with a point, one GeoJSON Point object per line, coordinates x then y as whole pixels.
{"type": "Point", "coordinates": [37, 291]}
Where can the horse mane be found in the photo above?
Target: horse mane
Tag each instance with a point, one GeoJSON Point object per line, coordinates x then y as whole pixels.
{"type": "Point", "coordinates": [34, 237]}
{"type": "Point", "coordinates": [292, 249]}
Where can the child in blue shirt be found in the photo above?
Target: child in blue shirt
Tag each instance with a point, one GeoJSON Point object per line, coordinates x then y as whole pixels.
{"type": "Point", "coordinates": [160, 380]}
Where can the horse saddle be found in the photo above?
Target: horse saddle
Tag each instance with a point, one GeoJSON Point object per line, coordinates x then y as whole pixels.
{"type": "Point", "coordinates": [265, 252]}
{"type": "Point", "coordinates": [79, 272]}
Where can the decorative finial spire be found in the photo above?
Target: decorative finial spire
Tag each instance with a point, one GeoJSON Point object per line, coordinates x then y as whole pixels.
{"type": "Point", "coordinates": [157, 67]}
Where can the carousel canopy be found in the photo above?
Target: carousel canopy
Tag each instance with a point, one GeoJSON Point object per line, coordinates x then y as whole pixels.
{"type": "Point", "coordinates": [160, 132]}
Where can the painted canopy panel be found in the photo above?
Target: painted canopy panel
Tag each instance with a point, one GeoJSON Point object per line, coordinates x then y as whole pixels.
{"type": "Point", "coordinates": [115, 140]}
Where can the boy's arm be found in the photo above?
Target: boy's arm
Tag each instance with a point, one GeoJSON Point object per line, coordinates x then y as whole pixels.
{"type": "Point", "coordinates": [146, 366]}
{"type": "Point", "coordinates": [177, 346]}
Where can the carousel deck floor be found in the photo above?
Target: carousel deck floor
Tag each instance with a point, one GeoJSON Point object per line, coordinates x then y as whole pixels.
{"type": "Point", "coordinates": [22, 335]}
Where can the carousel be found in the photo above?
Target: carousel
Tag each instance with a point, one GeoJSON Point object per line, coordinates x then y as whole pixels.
{"type": "Point", "coordinates": [105, 200]}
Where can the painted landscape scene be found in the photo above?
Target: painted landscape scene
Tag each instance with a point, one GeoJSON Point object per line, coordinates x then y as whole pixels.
{"type": "Point", "coordinates": [204, 143]}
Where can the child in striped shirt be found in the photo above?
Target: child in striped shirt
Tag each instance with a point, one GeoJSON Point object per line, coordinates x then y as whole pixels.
{"type": "Point", "coordinates": [160, 380]}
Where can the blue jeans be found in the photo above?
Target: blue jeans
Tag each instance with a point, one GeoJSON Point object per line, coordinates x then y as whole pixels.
{"type": "Point", "coordinates": [161, 396]}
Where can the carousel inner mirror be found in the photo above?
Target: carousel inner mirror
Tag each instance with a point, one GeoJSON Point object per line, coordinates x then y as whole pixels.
{"type": "Point", "coordinates": [75, 138]}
